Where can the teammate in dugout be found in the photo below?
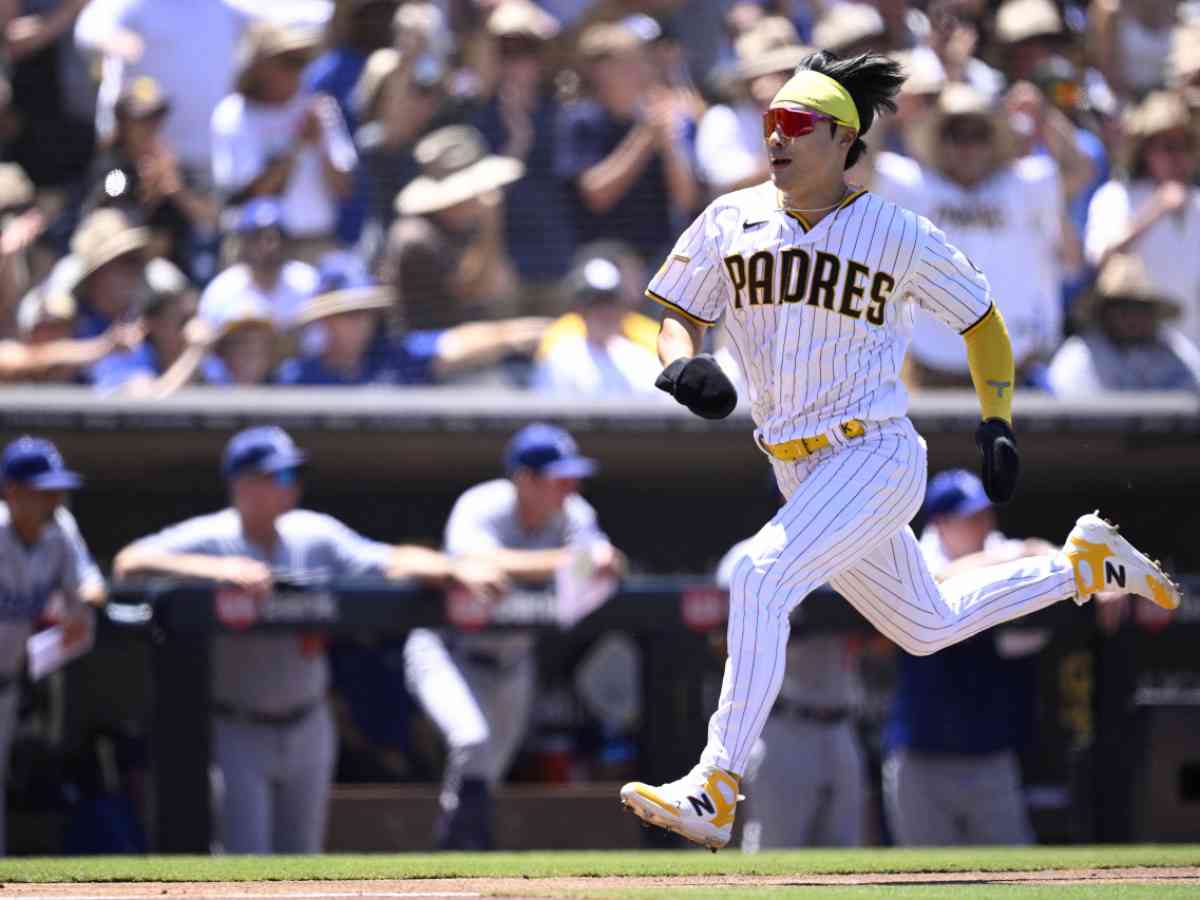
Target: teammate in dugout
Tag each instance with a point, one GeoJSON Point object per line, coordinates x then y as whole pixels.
{"type": "Point", "coordinates": [44, 554]}
{"type": "Point", "coordinates": [273, 734]}
{"type": "Point", "coordinates": [818, 282]}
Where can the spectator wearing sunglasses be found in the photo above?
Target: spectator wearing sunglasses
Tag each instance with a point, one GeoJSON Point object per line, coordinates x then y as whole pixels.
{"type": "Point", "coordinates": [272, 139]}
{"type": "Point", "coordinates": [1155, 213]}
{"type": "Point", "coordinates": [1003, 211]}
{"type": "Point", "coordinates": [274, 740]}
{"type": "Point", "coordinates": [1125, 341]}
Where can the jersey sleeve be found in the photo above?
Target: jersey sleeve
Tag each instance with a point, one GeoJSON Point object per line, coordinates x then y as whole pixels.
{"type": "Point", "coordinates": [947, 285]}
{"type": "Point", "coordinates": [691, 281]}
{"type": "Point", "coordinates": [468, 529]}
{"type": "Point", "coordinates": [191, 536]}
{"type": "Point", "coordinates": [81, 570]}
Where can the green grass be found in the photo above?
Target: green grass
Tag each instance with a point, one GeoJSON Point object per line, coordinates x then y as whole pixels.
{"type": "Point", "coordinates": [608, 863]}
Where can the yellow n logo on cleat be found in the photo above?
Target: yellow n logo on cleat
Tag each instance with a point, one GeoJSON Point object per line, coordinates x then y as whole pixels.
{"type": "Point", "coordinates": [713, 800]}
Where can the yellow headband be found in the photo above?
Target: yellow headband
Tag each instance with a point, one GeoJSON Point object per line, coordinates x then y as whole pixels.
{"type": "Point", "coordinates": [822, 93]}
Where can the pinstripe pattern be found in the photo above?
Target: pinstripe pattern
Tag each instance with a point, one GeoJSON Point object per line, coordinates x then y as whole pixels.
{"type": "Point", "coordinates": [846, 522]}
{"type": "Point", "coordinates": [810, 368]}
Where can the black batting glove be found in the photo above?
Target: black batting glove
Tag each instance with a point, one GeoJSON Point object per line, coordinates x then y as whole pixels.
{"type": "Point", "coordinates": [1001, 461]}
{"type": "Point", "coordinates": [700, 385]}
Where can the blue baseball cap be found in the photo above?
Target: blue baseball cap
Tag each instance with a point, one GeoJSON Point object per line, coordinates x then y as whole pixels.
{"type": "Point", "coordinates": [257, 214]}
{"type": "Point", "coordinates": [547, 451]}
{"type": "Point", "coordinates": [265, 449]}
{"type": "Point", "coordinates": [955, 493]}
{"type": "Point", "coordinates": [36, 463]}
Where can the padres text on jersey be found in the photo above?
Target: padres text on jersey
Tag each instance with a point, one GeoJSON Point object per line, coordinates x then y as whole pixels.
{"type": "Point", "coordinates": [819, 317]}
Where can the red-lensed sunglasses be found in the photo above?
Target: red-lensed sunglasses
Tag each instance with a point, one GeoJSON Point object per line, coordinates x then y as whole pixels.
{"type": "Point", "coordinates": [792, 123]}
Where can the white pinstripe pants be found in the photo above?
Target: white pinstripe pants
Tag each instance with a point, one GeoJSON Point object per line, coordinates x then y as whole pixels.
{"type": "Point", "coordinates": [846, 523]}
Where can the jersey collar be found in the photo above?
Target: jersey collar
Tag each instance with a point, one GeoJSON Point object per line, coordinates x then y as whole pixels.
{"type": "Point", "coordinates": [802, 221]}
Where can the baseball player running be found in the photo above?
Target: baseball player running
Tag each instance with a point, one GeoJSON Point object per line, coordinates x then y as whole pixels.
{"type": "Point", "coordinates": [818, 282]}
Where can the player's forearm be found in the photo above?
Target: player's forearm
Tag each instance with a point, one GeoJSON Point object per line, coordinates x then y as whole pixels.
{"type": "Point", "coordinates": [604, 184]}
{"type": "Point", "coordinates": [990, 358]}
{"type": "Point", "coordinates": [482, 343]}
{"type": "Point", "coordinates": [530, 565]}
{"type": "Point", "coordinates": [677, 338]}
{"type": "Point", "coordinates": [411, 561]}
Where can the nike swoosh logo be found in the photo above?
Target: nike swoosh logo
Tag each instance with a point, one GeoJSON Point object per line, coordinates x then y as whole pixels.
{"type": "Point", "coordinates": [748, 225]}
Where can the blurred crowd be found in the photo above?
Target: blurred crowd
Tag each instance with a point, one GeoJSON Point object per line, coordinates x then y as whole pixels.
{"type": "Point", "coordinates": [475, 191]}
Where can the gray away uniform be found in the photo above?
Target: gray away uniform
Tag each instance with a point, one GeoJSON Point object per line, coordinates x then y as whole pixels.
{"type": "Point", "coordinates": [29, 577]}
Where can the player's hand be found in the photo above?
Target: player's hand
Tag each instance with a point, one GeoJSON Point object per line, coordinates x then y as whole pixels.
{"type": "Point", "coordinates": [1001, 461]}
{"type": "Point", "coordinates": [700, 385]}
{"type": "Point", "coordinates": [481, 578]}
{"type": "Point", "coordinates": [251, 575]}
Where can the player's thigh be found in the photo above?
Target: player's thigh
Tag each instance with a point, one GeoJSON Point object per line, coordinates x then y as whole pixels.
{"type": "Point", "coordinates": [244, 760]}
{"type": "Point", "coordinates": [998, 811]}
{"type": "Point", "coordinates": [840, 506]}
{"type": "Point", "coordinates": [920, 814]}
{"type": "Point", "coordinates": [893, 589]}
{"type": "Point", "coordinates": [301, 800]}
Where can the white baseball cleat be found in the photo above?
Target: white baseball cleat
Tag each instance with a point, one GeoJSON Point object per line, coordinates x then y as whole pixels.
{"type": "Point", "coordinates": [700, 806]}
{"type": "Point", "coordinates": [1104, 561]}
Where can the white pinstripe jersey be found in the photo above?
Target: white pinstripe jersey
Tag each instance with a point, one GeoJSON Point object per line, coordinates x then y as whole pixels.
{"type": "Point", "coordinates": [819, 316]}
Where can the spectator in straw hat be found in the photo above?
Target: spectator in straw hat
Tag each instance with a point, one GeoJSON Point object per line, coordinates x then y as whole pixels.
{"type": "Point", "coordinates": [446, 255]}
{"type": "Point", "coordinates": [272, 139]}
{"type": "Point", "coordinates": [518, 122]}
{"type": "Point", "coordinates": [1125, 343]}
{"type": "Point", "coordinates": [139, 173]}
{"type": "Point", "coordinates": [729, 142]}
{"type": "Point", "coordinates": [170, 305]}
{"type": "Point", "coordinates": [1154, 214]}
{"type": "Point", "coordinates": [1006, 214]}
{"type": "Point", "coordinates": [21, 224]}
{"type": "Point", "coordinates": [45, 350]}
{"type": "Point", "coordinates": [1027, 33]}
{"type": "Point", "coordinates": [244, 350]}
{"type": "Point", "coordinates": [110, 251]}
{"type": "Point", "coordinates": [849, 29]}
{"type": "Point", "coordinates": [360, 347]}
{"type": "Point", "coordinates": [623, 151]}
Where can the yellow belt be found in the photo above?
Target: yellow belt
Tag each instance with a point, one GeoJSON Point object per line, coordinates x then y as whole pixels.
{"type": "Point", "coordinates": [790, 451]}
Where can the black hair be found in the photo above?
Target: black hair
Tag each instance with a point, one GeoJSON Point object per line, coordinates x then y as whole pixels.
{"type": "Point", "coordinates": [871, 79]}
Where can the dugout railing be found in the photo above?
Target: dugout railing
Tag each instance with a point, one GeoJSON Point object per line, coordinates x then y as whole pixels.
{"type": "Point", "coordinates": [1099, 685]}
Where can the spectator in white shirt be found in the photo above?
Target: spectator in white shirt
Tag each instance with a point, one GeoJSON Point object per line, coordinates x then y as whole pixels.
{"type": "Point", "coordinates": [1125, 343]}
{"type": "Point", "coordinates": [602, 361]}
{"type": "Point", "coordinates": [270, 138]}
{"type": "Point", "coordinates": [729, 142]}
{"type": "Point", "coordinates": [263, 275]}
{"type": "Point", "coordinates": [1006, 214]}
{"type": "Point", "coordinates": [1155, 214]}
{"type": "Point", "coordinates": [187, 47]}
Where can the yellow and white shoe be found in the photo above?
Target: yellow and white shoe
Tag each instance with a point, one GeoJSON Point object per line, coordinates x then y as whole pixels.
{"type": "Point", "coordinates": [700, 806]}
{"type": "Point", "coordinates": [1104, 561]}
